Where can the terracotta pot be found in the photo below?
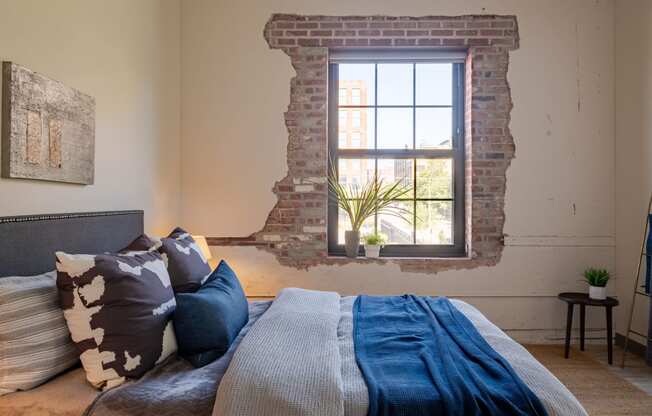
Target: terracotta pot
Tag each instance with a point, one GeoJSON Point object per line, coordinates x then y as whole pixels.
{"type": "Point", "coordinates": [598, 292]}
{"type": "Point", "coordinates": [352, 243]}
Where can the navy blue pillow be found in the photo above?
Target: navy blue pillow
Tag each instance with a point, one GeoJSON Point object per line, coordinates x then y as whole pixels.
{"type": "Point", "coordinates": [207, 321]}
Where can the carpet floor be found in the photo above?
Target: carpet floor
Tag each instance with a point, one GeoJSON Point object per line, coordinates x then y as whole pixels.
{"type": "Point", "coordinates": [601, 392]}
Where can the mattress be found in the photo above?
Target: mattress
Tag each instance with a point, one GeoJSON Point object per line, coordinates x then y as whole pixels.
{"type": "Point", "coordinates": [66, 395]}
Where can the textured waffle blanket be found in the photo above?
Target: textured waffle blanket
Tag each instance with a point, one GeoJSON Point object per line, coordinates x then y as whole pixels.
{"type": "Point", "coordinates": [289, 364]}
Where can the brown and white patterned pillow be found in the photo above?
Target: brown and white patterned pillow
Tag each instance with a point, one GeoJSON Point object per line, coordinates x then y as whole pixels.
{"type": "Point", "coordinates": [118, 309]}
{"type": "Point", "coordinates": [186, 263]}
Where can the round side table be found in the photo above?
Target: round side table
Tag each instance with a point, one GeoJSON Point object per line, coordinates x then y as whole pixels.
{"type": "Point", "coordinates": [583, 299]}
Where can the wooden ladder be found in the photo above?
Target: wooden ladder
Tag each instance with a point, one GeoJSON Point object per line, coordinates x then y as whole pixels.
{"type": "Point", "coordinates": [637, 287]}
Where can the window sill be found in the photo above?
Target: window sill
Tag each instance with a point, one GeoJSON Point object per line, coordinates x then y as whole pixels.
{"type": "Point", "coordinates": [373, 259]}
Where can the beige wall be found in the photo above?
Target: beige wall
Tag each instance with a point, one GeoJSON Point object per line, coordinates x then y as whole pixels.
{"type": "Point", "coordinates": [634, 146]}
{"type": "Point", "coordinates": [560, 188]}
{"type": "Point", "coordinates": [125, 53]}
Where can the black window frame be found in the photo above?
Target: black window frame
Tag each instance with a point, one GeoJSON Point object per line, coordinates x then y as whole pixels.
{"type": "Point", "coordinates": [456, 153]}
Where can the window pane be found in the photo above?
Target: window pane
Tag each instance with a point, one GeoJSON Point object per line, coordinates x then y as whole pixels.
{"type": "Point", "coordinates": [434, 222]}
{"type": "Point", "coordinates": [396, 229]}
{"type": "Point", "coordinates": [356, 84]}
{"type": "Point", "coordinates": [434, 178]}
{"type": "Point", "coordinates": [395, 128]}
{"type": "Point", "coordinates": [434, 84]}
{"type": "Point", "coordinates": [356, 128]}
{"type": "Point", "coordinates": [395, 84]}
{"type": "Point", "coordinates": [344, 224]}
{"type": "Point", "coordinates": [343, 98]}
{"type": "Point", "coordinates": [434, 128]}
{"type": "Point", "coordinates": [392, 170]}
{"type": "Point", "coordinates": [355, 173]}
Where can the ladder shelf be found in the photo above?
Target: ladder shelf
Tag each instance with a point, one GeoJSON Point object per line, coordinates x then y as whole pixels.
{"type": "Point", "coordinates": [637, 286]}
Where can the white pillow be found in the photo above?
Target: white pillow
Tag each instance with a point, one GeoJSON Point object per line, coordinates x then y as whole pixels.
{"type": "Point", "coordinates": [35, 344]}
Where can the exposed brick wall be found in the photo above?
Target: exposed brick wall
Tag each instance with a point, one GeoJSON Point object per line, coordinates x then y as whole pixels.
{"type": "Point", "coordinates": [295, 230]}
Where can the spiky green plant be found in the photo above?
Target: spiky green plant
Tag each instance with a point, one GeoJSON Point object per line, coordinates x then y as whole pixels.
{"type": "Point", "coordinates": [361, 202]}
{"type": "Point", "coordinates": [596, 277]}
{"type": "Point", "coordinates": [375, 239]}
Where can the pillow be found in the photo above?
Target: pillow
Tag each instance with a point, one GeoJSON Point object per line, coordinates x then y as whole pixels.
{"type": "Point", "coordinates": [142, 243]}
{"type": "Point", "coordinates": [35, 344]}
{"type": "Point", "coordinates": [187, 265]}
{"type": "Point", "coordinates": [118, 309]}
{"type": "Point", "coordinates": [206, 322]}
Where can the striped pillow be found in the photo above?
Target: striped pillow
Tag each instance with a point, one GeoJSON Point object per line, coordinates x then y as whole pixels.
{"type": "Point", "coordinates": [35, 344]}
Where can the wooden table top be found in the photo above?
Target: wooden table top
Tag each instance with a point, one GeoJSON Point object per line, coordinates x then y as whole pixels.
{"type": "Point", "coordinates": [577, 298]}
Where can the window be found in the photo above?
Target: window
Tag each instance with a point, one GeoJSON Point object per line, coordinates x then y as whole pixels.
{"type": "Point", "coordinates": [355, 122]}
{"type": "Point", "coordinates": [406, 123]}
{"type": "Point", "coordinates": [355, 139]}
{"type": "Point", "coordinates": [342, 97]}
{"type": "Point", "coordinates": [355, 96]}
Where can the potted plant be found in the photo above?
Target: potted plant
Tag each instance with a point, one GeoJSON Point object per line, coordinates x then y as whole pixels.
{"type": "Point", "coordinates": [597, 280]}
{"type": "Point", "coordinates": [361, 202]}
{"type": "Point", "coordinates": [373, 243]}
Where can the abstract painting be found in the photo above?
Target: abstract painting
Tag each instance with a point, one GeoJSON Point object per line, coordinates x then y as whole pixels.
{"type": "Point", "coordinates": [48, 129]}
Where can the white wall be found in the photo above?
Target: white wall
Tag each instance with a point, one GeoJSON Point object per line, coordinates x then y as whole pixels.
{"type": "Point", "coordinates": [560, 188]}
{"type": "Point", "coordinates": [125, 53]}
{"type": "Point", "coordinates": [634, 147]}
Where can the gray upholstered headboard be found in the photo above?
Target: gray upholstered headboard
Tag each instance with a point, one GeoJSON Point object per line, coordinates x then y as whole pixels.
{"type": "Point", "coordinates": [28, 243]}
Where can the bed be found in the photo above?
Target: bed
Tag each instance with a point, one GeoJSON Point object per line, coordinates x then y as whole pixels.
{"type": "Point", "coordinates": [296, 355]}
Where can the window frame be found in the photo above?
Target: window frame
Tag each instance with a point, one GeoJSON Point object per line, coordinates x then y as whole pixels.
{"type": "Point", "coordinates": [456, 153]}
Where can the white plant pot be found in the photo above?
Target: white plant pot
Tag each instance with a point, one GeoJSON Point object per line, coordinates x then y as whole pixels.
{"type": "Point", "coordinates": [372, 251]}
{"type": "Point", "coordinates": [598, 293]}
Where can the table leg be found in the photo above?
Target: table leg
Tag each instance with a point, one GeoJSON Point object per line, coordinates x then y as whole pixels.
{"type": "Point", "coordinates": [610, 347]}
{"type": "Point", "coordinates": [582, 325]}
{"type": "Point", "coordinates": [569, 324]}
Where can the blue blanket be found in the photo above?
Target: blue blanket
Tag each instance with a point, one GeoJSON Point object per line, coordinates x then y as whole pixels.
{"type": "Point", "coordinates": [648, 257]}
{"type": "Point", "coordinates": [421, 356]}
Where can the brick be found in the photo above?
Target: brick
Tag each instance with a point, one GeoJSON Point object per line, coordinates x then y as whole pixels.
{"type": "Point", "coordinates": [454, 25]}
{"type": "Point", "coordinates": [380, 42]}
{"type": "Point", "coordinates": [429, 42]}
{"type": "Point", "coordinates": [356, 25]}
{"type": "Point", "coordinates": [307, 25]}
{"type": "Point", "coordinates": [428, 25]}
{"type": "Point", "coordinates": [441, 32]}
{"type": "Point", "coordinates": [332, 42]}
{"type": "Point", "coordinates": [405, 25]}
{"type": "Point", "coordinates": [453, 42]}
{"type": "Point", "coordinates": [331, 25]}
{"type": "Point", "coordinates": [356, 42]}
{"type": "Point", "coordinates": [405, 42]}
{"type": "Point", "coordinates": [367, 32]}
{"type": "Point", "coordinates": [393, 32]}
{"type": "Point", "coordinates": [308, 42]}
{"type": "Point", "coordinates": [315, 33]}
{"type": "Point", "coordinates": [491, 32]}
{"type": "Point", "coordinates": [380, 25]}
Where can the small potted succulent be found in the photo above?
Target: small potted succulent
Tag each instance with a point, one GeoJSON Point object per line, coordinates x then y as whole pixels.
{"type": "Point", "coordinates": [361, 202]}
{"type": "Point", "coordinates": [373, 243]}
{"type": "Point", "coordinates": [597, 280]}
